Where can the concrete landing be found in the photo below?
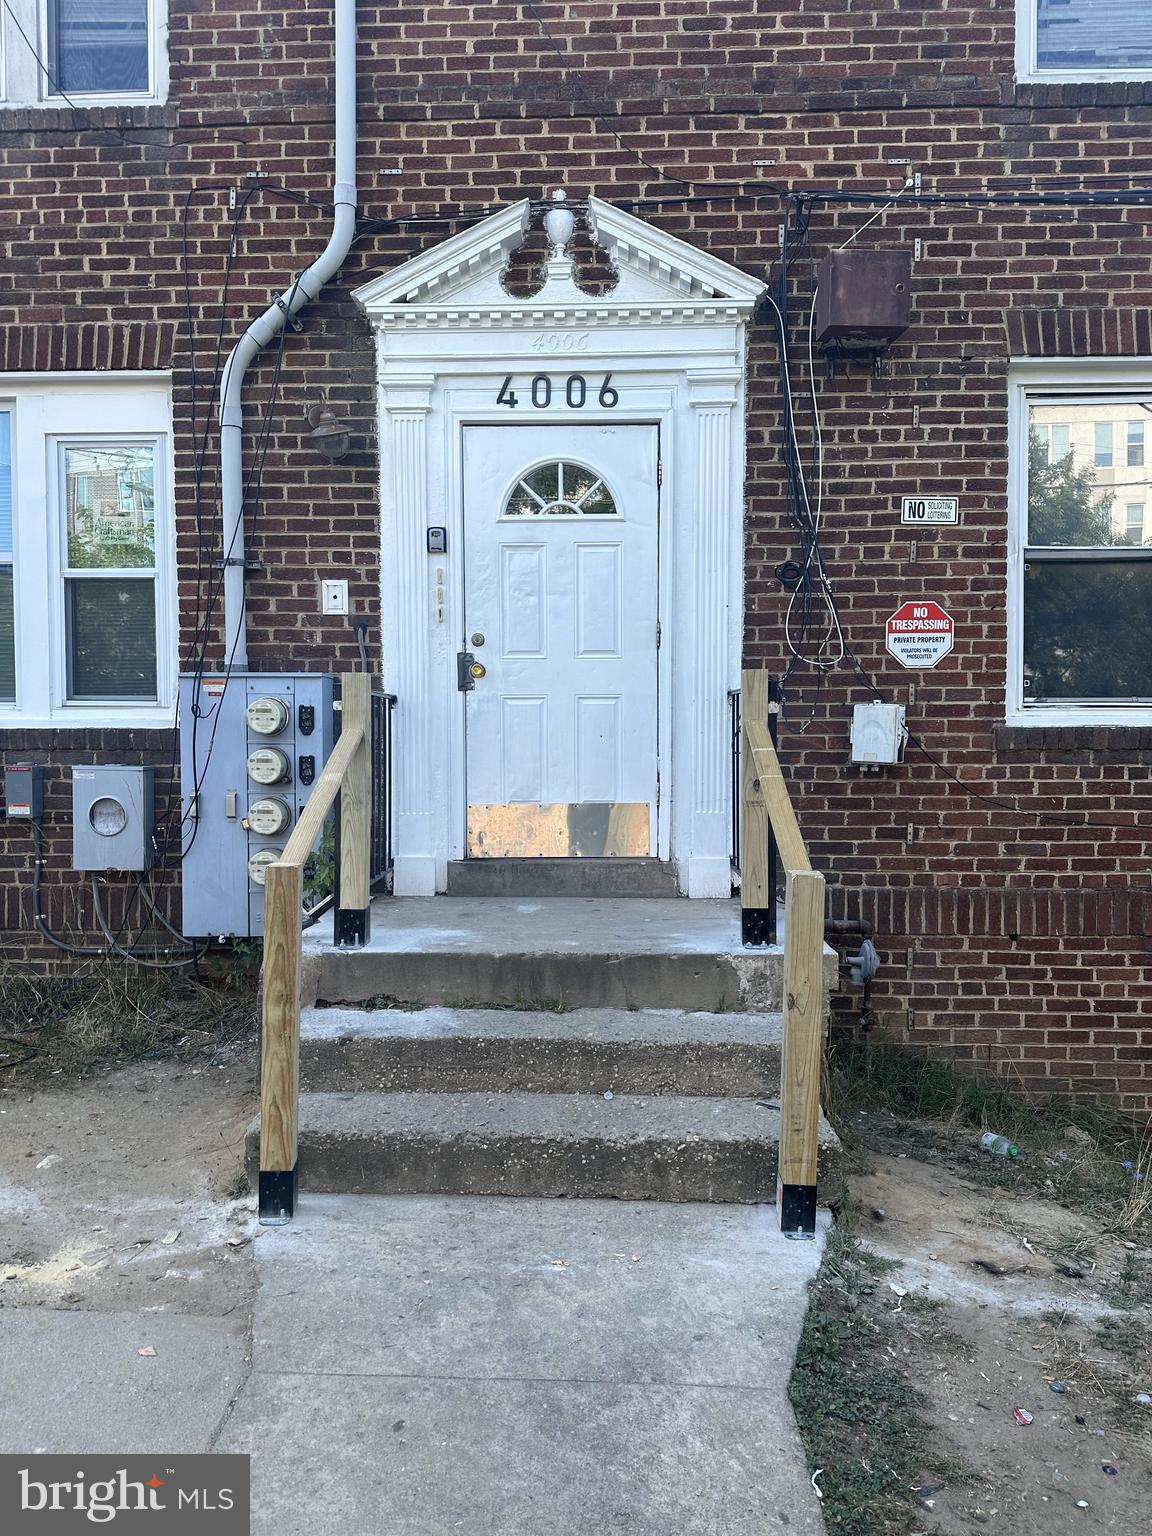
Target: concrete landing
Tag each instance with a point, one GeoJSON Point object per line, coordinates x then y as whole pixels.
{"type": "Point", "coordinates": [502, 1368]}
{"type": "Point", "coordinates": [583, 1050]}
{"type": "Point", "coordinates": [583, 951]}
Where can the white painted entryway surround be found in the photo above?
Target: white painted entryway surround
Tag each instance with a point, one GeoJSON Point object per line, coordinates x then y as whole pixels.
{"type": "Point", "coordinates": [672, 335]}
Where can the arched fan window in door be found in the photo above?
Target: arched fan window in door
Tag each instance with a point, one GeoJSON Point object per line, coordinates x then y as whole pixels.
{"type": "Point", "coordinates": [560, 489]}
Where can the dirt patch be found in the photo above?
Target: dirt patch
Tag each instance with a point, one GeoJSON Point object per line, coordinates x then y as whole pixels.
{"type": "Point", "coordinates": [1005, 1300]}
{"type": "Point", "coordinates": [126, 1192]}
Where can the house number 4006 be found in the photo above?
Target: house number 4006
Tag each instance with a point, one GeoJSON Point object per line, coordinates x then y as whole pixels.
{"type": "Point", "coordinates": [575, 386]}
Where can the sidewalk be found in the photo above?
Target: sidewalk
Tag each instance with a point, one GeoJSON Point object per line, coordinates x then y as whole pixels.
{"type": "Point", "coordinates": [427, 1365]}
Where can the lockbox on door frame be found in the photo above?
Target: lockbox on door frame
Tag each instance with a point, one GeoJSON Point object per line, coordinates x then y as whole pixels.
{"type": "Point", "coordinates": [252, 744]}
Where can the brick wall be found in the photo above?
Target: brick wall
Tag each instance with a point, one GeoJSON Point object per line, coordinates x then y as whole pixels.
{"type": "Point", "coordinates": [1017, 944]}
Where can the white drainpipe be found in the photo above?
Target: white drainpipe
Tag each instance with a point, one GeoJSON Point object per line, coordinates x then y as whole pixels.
{"type": "Point", "coordinates": [269, 325]}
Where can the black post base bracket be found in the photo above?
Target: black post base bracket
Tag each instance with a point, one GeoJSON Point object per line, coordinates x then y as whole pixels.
{"type": "Point", "coordinates": [277, 1201]}
{"type": "Point", "coordinates": [797, 1204]}
{"type": "Point", "coordinates": [757, 926]}
{"type": "Point", "coordinates": [351, 927]}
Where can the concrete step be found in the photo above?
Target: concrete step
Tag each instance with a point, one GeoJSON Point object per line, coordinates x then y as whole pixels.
{"type": "Point", "coordinates": [585, 1050]}
{"type": "Point", "coordinates": [544, 1145]}
{"type": "Point", "coordinates": [582, 952]}
{"type": "Point", "coordinates": [561, 877]}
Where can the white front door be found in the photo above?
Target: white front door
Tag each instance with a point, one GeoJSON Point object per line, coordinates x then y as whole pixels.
{"type": "Point", "coordinates": [560, 611]}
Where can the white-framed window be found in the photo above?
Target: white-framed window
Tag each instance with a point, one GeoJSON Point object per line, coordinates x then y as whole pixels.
{"type": "Point", "coordinates": [91, 52]}
{"type": "Point", "coordinates": [1080, 581]}
{"type": "Point", "coordinates": [87, 571]}
{"type": "Point", "coordinates": [1083, 40]}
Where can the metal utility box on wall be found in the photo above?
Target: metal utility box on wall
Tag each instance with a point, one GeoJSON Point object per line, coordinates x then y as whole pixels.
{"type": "Point", "coordinates": [878, 733]}
{"type": "Point", "coordinates": [113, 817]}
{"type": "Point", "coordinates": [864, 299]}
{"type": "Point", "coordinates": [251, 746]}
{"type": "Point", "coordinates": [24, 792]}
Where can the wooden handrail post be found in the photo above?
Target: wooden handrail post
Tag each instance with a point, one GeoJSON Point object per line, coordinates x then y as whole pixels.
{"type": "Point", "coordinates": [353, 913]}
{"type": "Point", "coordinates": [280, 1041]}
{"type": "Point", "coordinates": [802, 1052]}
{"type": "Point", "coordinates": [757, 902]}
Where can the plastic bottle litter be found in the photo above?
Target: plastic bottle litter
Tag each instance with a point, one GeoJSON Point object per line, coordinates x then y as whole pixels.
{"type": "Point", "coordinates": [999, 1146]}
{"type": "Point", "coordinates": [1144, 1399]}
{"type": "Point", "coordinates": [1057, 1386]}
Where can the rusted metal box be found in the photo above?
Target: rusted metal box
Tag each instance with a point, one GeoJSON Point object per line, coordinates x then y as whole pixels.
{"type": "Point", "coordinates": [864, 299]}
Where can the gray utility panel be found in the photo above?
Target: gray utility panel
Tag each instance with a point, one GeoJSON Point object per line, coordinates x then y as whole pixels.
{"type": "Point", "coordinates": [113, 816]}
{"type": "Point", "coordinates": [252, 744]}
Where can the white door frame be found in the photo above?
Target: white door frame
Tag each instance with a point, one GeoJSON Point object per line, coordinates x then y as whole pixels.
{"type": "Point", "coordinates": [672, 336]}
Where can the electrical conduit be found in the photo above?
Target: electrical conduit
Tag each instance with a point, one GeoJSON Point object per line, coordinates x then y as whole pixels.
{"type": "Point", "coordinates": [268, 326]}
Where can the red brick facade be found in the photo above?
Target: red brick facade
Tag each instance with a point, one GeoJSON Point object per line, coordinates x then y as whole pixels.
{"type": "Point", "coordinates": [1019, 944]}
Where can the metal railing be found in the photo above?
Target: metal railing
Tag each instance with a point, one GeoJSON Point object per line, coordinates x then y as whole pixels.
{"type": "Point", "coordinates": [769, 830]}
{"type": "Point", "coordinates": [383, 705]}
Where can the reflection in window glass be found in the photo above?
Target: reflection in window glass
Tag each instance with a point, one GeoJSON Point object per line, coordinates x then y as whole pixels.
{"type": "Point", "coordinates": [109, 502]}
{"type": "Point", "coordinates": [1094, 35]}
{"type": "Point", "coordinates": [7, 609]}
{"type": "Point", "coordinates": [1134, 523]}
{"type": "Point", "coordinates": [560, 489]}
{"type": "Point", "coordinates": [1103, 443]}
{"type": "Point", "coordinates": [1135, 445]}
{"type": "Point", "coordinates": [98, 45]}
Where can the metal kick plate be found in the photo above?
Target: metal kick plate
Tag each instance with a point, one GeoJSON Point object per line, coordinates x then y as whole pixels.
{"type": "Point", "coordinates": [588, 829]}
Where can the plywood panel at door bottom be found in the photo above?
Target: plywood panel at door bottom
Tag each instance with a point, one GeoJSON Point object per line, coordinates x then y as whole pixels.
{"type": "Point", "coordinates": [579, 830]}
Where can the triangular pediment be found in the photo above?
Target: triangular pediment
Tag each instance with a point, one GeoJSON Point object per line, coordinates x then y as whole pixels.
{"type": "Point", "coordinates": [460, 276]}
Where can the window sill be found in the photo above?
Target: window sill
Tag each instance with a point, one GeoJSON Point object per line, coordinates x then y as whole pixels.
{"type": "Point", "coordinates": [104, 112]}
{"type": "Point", "coordinates": [1083, 735]}
{"type": "Point", "coordinates": [1081, 91]}
{"type": "Point", "coordinates": [97, 719]}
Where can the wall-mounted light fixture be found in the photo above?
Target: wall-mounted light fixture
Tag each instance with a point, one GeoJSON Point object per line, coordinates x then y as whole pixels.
{"type": "Point", "coordinates": [329, 434]}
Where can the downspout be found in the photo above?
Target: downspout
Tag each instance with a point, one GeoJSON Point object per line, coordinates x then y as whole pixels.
{"type": "Point", "coordinates": [268, 326]}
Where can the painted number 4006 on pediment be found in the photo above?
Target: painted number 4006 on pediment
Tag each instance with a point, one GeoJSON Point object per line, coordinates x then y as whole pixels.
{"type": "Point", "coordinates": [573, 391]}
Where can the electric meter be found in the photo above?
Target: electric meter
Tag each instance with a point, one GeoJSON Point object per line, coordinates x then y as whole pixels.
{"type": "Point", "coordinates": [108, 816]}
{"type": "Point", "coordinates": [268, 818]}
{"type": "Point", "coordinates": [267, 765]}
{"type": "Point", "coordinates": [259, 862]}
{"type": "Point", "coordinates": [267, 715]}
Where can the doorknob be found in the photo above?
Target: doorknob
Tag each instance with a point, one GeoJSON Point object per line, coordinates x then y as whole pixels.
{"type": "Point", "coordinates": [477, 669]}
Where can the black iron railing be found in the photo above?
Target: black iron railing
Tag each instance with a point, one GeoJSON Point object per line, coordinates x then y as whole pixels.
{"type": "Point", "coordinates": [382, 844]}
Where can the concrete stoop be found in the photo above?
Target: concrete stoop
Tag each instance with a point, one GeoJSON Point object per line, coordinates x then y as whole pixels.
{"type": "Point", "coordinates": [636, 1082]}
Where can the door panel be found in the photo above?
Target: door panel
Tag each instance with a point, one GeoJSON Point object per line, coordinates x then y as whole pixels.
{"type": "Point", "coordinates": [561, 586]}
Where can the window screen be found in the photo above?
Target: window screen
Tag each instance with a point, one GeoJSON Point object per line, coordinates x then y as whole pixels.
{"type": "Point", "coordinates": [1094, 35]}
{"type": "Point", "coordinates": [98, 45]}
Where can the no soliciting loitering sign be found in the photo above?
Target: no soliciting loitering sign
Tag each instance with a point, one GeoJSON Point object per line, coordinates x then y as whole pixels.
{"type": "Point", "coordinates": [919, 634]}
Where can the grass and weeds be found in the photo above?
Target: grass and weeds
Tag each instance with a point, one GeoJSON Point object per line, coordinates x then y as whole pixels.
{"type": "Point", "coordinates": [1090, 1157]}
{"type": "Point", "coordinates": [68, 1027]}
{"type": "Point", "coordinates": [860, 1418]}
